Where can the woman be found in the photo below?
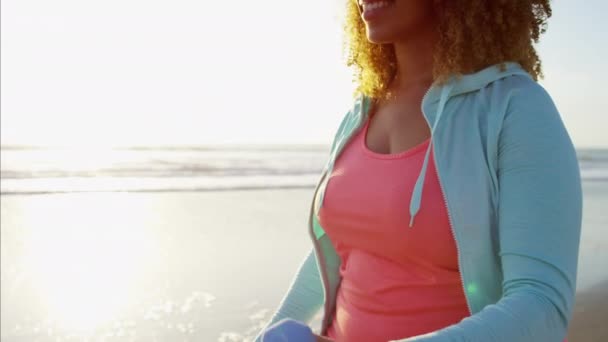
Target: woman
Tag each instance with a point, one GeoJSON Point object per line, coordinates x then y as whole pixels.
{"type": "Point", "coordinates": [450, 206]}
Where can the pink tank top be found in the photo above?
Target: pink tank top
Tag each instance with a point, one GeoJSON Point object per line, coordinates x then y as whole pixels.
{"type": "Point", "coordinates": [397, 281]}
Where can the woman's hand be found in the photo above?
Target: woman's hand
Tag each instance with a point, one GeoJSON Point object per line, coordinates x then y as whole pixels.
{"type": "Point", "coordinates": [289, 330]}
{"type": "Point", "coordinates": [322, 338]}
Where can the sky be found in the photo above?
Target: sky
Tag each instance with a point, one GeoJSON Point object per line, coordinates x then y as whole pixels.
{"type": "Point", "coordinates": [191, 72]}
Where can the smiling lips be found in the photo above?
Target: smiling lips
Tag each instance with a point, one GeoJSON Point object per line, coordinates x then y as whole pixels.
{"type": "Point", "coordinates": [372, 8]}
{"type": "Point", "coordinates": [372, 5]}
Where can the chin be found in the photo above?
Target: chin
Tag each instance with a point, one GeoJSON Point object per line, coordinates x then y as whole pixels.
{"type": "Point", "coordinates": [382, 35]}
{"type": "Point", "coordinates": [387, 34]}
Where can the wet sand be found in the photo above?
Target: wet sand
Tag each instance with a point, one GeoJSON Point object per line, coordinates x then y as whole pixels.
{"type": "Point", "coordinates": [590, 318]}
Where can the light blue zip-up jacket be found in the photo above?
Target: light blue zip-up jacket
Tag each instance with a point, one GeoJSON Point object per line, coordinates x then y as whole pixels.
{"type": "Point", "coordinates": [511, 183]}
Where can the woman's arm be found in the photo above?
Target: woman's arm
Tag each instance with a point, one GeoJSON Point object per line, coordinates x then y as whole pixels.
{"type": "Point", "coordinates": [539, 222]}
{"type": "Point", "coordinates": [304, 297]}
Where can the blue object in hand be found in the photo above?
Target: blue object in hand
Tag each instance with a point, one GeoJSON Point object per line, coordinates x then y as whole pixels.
{"type": "Point", "coordinates": [288, 330]}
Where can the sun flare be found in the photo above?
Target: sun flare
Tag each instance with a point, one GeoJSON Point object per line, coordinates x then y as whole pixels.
{"type": "Point", "coordinates": [86, 275]}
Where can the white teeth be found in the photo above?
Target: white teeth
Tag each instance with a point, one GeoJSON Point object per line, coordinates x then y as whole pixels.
{"type": "Point", "coordinates": [375, 5]}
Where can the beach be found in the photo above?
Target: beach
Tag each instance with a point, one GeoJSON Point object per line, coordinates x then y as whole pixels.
{"type": "Point", "coordinates": [199, 266]}
{"type": "Point", "coordinates": [191, 266]}
{"type": "Point", "coordinates": [590, 315]}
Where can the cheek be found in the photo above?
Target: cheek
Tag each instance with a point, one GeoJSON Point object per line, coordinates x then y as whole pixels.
{"type": "Point", "coordinates": [409, 14]}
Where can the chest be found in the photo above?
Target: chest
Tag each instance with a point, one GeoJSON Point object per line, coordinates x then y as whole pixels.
{"type": "Point", "coordinates": [396, 127]}
{"type": "Point", "coordinates": [366, 204]}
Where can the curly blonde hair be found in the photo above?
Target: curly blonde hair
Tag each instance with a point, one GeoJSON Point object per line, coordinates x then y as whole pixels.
{"type": "Point", "coordinates": [473, 34]}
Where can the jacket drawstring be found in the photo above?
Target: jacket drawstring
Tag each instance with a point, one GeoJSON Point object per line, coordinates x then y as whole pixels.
{"type": "Point", "coordinates": [417, 193]}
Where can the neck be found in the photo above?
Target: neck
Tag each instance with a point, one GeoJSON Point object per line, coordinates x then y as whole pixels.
{"type": "Point", "coordinates": [414, 56]}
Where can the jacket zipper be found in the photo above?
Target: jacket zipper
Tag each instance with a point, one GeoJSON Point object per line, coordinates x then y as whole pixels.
{"type": "Point", "coordinates": [445, 202]}
{"type": "Point", "coordinates": [333, 156]}
{"type": "Point", "coordinates": [321, 257]}
{"type": "Point", "coordinates": [452, 231]}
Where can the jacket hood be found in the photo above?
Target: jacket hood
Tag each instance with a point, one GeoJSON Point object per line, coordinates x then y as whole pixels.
{"type": "Point", "coordinates": [471, 82]}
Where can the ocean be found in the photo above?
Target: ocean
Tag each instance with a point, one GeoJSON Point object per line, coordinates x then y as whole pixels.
{"type": "Point", "coordinates": [36, 171]}
{"type": "Point", "coordinates": [181, 244]}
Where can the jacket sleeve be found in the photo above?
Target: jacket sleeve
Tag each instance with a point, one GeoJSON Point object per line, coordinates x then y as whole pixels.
{"type": "Point", "coordinates": [539, 223]}
{"type": "Point", "coordinates": [304, 297]}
